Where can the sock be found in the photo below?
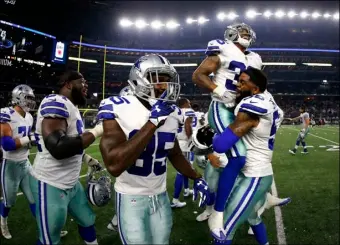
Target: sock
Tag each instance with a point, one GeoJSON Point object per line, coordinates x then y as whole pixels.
{"type": "Point", "coordinates": [178, 185]}
{"type": "Point", "coordinates": [227, 180]}
{"type": "Point", "coordinates": [297, 144]}
{"type": "Point", "coordinates": [4, 210]}
{"type": "Point", "coordinates": [226, 242]}
{"type": "Point", "coordinates": [88, 234]}
{"type": "Point", "coordinates": [211, 199]}
{"type": "Point", "coordinates": [304, 146]}
{"type": "Point", "coordinates": [260, 233]}
{"type": "Point", "coordinates": [186, 182]}
{"type": "Point", "coordinates": [209, 208]}
{"type": "Point", "coordinates": [32, 208]}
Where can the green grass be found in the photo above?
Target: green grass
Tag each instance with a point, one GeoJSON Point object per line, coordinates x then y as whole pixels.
{"type": "Point", "coordinates": [311, 218]}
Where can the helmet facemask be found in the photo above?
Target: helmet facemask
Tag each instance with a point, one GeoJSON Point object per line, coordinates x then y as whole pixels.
{"type": "Point", "coordinates": [233, 33]}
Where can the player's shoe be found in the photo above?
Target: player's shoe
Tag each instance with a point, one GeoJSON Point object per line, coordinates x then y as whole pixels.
{"type": "Point", "coordinates": [293, 152]}
{"type": "Point", "coordinates": [204, 216]}
{"type": "Point", "coordinates": [5, 232]}
{"type": "Point", "coordinates": [304, 152]}
{"type": "Point", "coordinates": [178, 204]}
{"type": "Point", "coordinates": [187, 192]}
{"type": "Point", "coordinates": [215, 223]}
{"type": "Point", "coordinates": [63, 233]}
{"type": "Point", "coordinates": [275, 201]}
{"type": "Point", "coordinates": [113, 225]}
{"type": "Point", "coordinates": [250, 231]}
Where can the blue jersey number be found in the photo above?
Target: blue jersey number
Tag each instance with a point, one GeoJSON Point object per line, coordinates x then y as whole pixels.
{"type": "Point", "coordinates": [80, 130]}
{"type": "Point", "coordinates": [194, 122]}
{"type": "Point", "coordinates": [237, 67]}
{"type": "Point", "coordinates": [149, 158]}
{"type": "Point", "coordinates": [24, 130]}
{"type": "Point", "coordinates": [273, 131]}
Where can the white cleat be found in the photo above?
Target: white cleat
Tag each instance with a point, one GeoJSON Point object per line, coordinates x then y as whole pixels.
{"type": "Point", "coordinates": [275, 201]}
{"type": "Point", "coordinates": [178, 204]}
{"type": "Point", "coordinates": [250, 231]}
{"type": "Point", "coordinates": [204, 216]}
{"type": "Point", "coordinates": [304, 152]}
{"type": "Point", "coordinates": [215, 223]}
{"type": "Point", "coordinates": [63, 233]}
{"type": "Point", "coordinates": [187, 192]}
{"type": "Point", "coordinates": [5, 232]}
{"type": "Point", "coordinates": [113, 225]}
{"type": "Point", "coordinates": [292, 152]}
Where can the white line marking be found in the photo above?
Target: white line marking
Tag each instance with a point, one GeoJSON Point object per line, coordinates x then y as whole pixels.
{"type": "Point", "coordinates": [316, 136]}
{"type": "Point", "coordinates": [281, 236]}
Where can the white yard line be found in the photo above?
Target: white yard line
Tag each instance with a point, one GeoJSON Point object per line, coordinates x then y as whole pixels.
{"type": "Point", "coordinates": [281, 235]}
{"type": "Point", "coordinates": [316, 136]}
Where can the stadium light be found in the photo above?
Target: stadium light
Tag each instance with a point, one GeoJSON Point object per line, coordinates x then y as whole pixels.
{"type": "Point", "coordinates": [324, 81]}
{"type": "Point", "coordinates": [326, 15]}
{"type": "Point", "coordinates": [172, 24]}
{"type": "Point", "coordinates": [279, 14]}
{"type": "Point", "coordinates": [83, 60]}
{"type": "Point", "coordinates": [251, 14]}
{"type": "Point", "coordinates": [190, 20]}
{"type": "Point", "coordinates": [119, 63]}
{"type": "Point", "coordinates": [184, 65]}
{"type": "Point", "coordinates": [336, 16]}
{"type": "Point", "coordinates": [267, 14]}
{"type": "Point", "coordinates": [202, 20]}
{"type": "Point", "coordinates": [232, 16]}
{"type": "Point", "coordinates": [317, 64]}
{"type": "Point", "coordinates": [304, 14]}
{"type": "Point", "coordinates": [291, 14]}
{"type": "Point", "coordinates": [315, 15]}
{"type": "Point", "coordinates": [126, 23]}
{"type": "Point", "coordinates": [278, 64]}
{"type": "Point", "coordinates": [156, 24]}
{"type": "Point", "coordinates": [221, 16]}
{"type": "Point", "coordinates": [140, 24]}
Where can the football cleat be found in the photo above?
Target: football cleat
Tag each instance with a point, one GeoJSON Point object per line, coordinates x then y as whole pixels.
{"type": "Point", "coordinates": [215, 223]}
{"type": "Point", "coordinates": [63, 233]}
{"type": "Point", "coordinates": [204, 216]}
{"type": "Point", "coordinates": [250, 231]}
{"type": "Point", "coordinates": [292, 152]}
{"type": "Point", "coordinates": [187, 192]}
{"type": "Point", "coordinates": [275, 201]}
{"type": "Point", "coordinates": [113, 225]}
{"type": "Point", "coordinates": [5, 232]}
{"type": "Point", "coordinates": [178, 204]}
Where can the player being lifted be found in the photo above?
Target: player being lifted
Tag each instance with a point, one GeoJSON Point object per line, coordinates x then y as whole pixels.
{"type": "Point", "coordinates": [183, 137]}
{"type": "Point", "coordinates": [61, 141]}
{"type": "Point", "coordinates": [226, 60]}
{"type": "Point", "coordinates": [304, 116]}
{"type": "Point", "coordinates": [139, 135]}
{"type": "Point", "coordinates": [15, 129]}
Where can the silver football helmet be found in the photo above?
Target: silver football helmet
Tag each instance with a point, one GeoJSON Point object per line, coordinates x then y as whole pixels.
{"type": "Point", "coordinates": [201, 161]}
{"type": "Point", "coordinates": [126, 91]}
{"type": "Point", "coordinates": [23, 96]}
{"type": "Point", "coordinates": [143, 84]}
{"type": "Point", "coordinates": [99, 189]}
{"type": "Point", "coordinates": [232, 33]}
{"type": "Point", "coordinates": [201, 141]}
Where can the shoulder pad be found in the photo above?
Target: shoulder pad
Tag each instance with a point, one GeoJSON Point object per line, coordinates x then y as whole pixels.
{"type": "Point", "coordinates": [257, 104]}
{"type": "Point", "coordinates": [55, 106]}
{"type": "Point", "coordinates": [254, 60]}
{"type": "Point", "coordinates": [178, 114]}
{"type": "Point", "coordinates": [214, 47]}
{"type": "Point", "coordinates": [5, 115]}
{"type": "Point", "coordinates": [105, 110]}
{"type": "Point", "coordinates": [189, 113]}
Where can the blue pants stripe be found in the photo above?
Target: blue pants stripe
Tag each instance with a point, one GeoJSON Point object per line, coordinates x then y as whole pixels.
{"type": "Point", "coordinates": [3, 182]}
{"type": "Point", "coordinates": [43, 213]}
{"type": "Point", "coordinates": [118, 201]}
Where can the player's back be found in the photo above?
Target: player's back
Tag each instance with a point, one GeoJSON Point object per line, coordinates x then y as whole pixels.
{"type": "Point", "coordinates": [63, 173]}
{"type": "Point", "coordinates": [147, 176]}
{"type": "Point", "coordinates": [21, 127]}
{"type": "Point", "coordinates": [259, 141]}
{"type": "Point", "coordinates": [304, 118]}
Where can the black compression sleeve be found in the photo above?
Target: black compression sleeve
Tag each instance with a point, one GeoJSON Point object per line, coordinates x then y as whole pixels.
{"type": "Point", "coordinates": [62, 146]}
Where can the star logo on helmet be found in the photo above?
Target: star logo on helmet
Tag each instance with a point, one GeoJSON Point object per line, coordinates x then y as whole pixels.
{"type": "Point", "coordinates": [138, 62]}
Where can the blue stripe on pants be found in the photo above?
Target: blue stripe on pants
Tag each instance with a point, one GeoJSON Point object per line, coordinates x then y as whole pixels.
{"type": "Point", "coordinates": [3, 165]}
{"type": "Point", "coordinates": [118, 206]}
{"type": "Point", "coordinates": [43, 213]}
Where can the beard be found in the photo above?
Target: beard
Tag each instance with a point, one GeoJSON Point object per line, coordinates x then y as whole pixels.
{"type": "Point", "coordinates": [241, 95]}
{"type": "Point", "coordinates": [78, 97]}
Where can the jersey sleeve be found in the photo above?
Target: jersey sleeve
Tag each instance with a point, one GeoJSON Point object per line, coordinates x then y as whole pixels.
{"type": "Point", "coordinates": [189, 113]}
{"type": "Point", "coordinates": [5, 115]}
{"type": "Point", "coordinates": [255, 60]}
{"type": "Point", "coordinates": [55, 106]}
{"type": "Point", "coordinates": [105, 110]}
{"type": "Point", "coordinates": [214, 47]}
{"type": "Point", "coordinates": [256, 104]}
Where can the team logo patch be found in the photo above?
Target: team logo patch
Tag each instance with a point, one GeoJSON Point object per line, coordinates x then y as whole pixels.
{"type": "Point", "coordinates": [133, 202]}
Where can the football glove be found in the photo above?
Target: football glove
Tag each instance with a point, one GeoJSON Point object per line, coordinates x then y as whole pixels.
{"type": "Point", "coordinates": [221, 93]}
{"type": "Point", "coordinates": [201, 188]}
{"type": "Point", "coordinates": [160, 111]}
{"type": "Point", "coordinates": [92, 163]}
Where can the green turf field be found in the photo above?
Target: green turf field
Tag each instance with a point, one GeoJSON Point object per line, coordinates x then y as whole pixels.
{"type": "Point", "coordinates": [311, 218]}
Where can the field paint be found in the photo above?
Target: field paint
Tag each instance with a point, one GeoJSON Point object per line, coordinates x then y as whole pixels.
{"type": "Point", "coordinates": [316, 136]}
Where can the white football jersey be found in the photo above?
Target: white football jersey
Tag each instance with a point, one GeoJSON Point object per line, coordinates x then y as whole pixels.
{"type": "Point", "coordinates": [182, 137]}
{"type": "Point", "coordinates": [304, 117]}
{"type": "Point", "coordinates": [259, 141]}
{"type": "Point", "coordinates": [147, 176]}
{"type": "Point", "coordinates": [21, 127]}
{"type": "Point", "coordinates": [64, 173]}
{"type": "Point", "coordinates": [233, 62]}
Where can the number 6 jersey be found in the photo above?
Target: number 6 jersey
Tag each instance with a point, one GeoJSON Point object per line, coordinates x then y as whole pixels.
{"type": "Point", "coordinates": [147, 176]}
{"type": "Point", "coordinates": [64, 173]}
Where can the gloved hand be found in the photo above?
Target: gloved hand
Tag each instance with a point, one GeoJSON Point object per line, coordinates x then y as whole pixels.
{"type": "Point", "coordinates": [201, 188]}
{"type": "Point", "coordinates": [160, 111]}
{"type": "Point", "coordinates": [221, 93]}
{"type": "Point", "coordinates": [92, 163]}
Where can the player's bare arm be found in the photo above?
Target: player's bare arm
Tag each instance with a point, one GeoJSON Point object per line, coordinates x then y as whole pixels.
{"type": "Point", "coordinates": [6, 131]}
{"type": "Point", "coordinates": [58, 143]}
{"type": "Point", "coordinates": [201, 75]}
{"type": "Point", "coordinates": [181, 164]}
{"type": "Point", "coordinates": [188, 127]}
{"type": "Point", "coordinates": [118, 152]}
{"type": "Point", "coordinates": [243, 123]}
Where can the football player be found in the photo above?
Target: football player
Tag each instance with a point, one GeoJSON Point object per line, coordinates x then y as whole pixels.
{"type": "Point", "coordinates": [61, 141]}
{"type": "Point", "coordinates": [257, 119]}
{"type": "Point", "coordinates": [226, 59]}
{"type": "Point", "coordinates": [15, 129]}
{"type": "Point", "coordinates": [139, 135]}
{"type": "Point", "coordinates": [304, 116]}
{"type": "Point", "coordinates": [200, 122]}
{"type": "Point", "coordinates": [184, 137]}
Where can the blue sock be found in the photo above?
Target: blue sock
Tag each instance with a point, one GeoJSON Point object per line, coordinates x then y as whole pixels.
{"type": "Point", "coordinates": [260, 233]}
{"type": "Point", "coordinates": [304, 146]}
{"type": "Point", "coordinates": [32, 207]}
{"type": "Point", "coordinates": [226, 242]}
{"type": "Point", "coordinates": [4, 210]}
{"type": "Point", "coordinates": [211, 199]}
{"type": "Point", "coordinates": [297, 144]}
{"type": "Point", "coordinates": [227, 180]}
{"type": "Point", "coordinates": [178, 185]}
{"type": "Point", "coordinates": [87, 233]}
{"type": "Point", "coordinates": [186, 182]}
